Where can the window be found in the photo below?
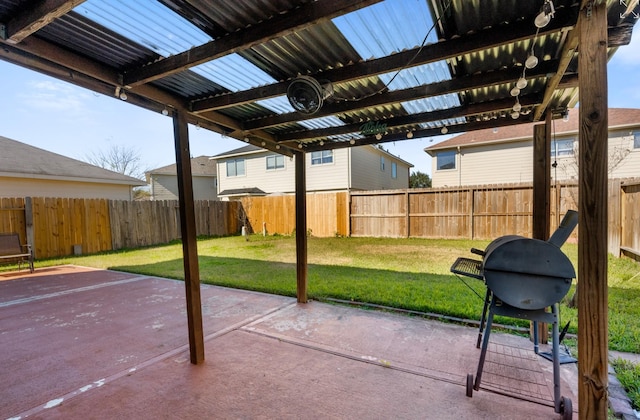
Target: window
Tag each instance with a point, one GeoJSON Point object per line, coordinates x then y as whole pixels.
{"type": "Point", "coordinates": [382, 163]}
{"type": "Point", "coordinates": [321, 158]}
{"type": "Point", "coordinates": [394, 170]}
{"type": "Point", "coordinates": [636, 139]}
{"type": "Point", "coordinates": [235, 167]}
{"type": "Point", "coordinates": [561, 148]}
{"type": "Point", "coordinates": [446, 160]}
{"type": "Point", "coordinates": [275, 162]}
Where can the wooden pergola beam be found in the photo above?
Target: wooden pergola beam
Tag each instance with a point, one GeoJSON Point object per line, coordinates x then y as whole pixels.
{"type": "Point", "coordinates": [34, 18]}
{"type": "Point", "coordinates": [486, 39]}
{"type": "Point", "coordinates": [280, 25]}
{"type": "Point", "coordinates": [498, 105]}
{"type": "Point", "coordinates": [429, 132]}
{"type": "Point", "coordinates": [592, 207]}
{"type": "Point", "coordinates": [401, 95]}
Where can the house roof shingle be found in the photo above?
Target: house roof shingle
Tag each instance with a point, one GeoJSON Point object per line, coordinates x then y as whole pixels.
{"type": "Point", "coordinates": [22, 160]}
{"type": "Point", "coordinates": [618, 117]}
{"type": "Point", "coordinates": [200, 166]}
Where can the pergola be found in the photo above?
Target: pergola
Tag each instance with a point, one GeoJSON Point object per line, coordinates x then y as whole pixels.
{"type": "Point", "coordinates": [297, 77]}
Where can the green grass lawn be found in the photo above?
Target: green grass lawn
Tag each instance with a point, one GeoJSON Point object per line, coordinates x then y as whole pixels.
{"type": "Point", "coordinates": [402, 273]}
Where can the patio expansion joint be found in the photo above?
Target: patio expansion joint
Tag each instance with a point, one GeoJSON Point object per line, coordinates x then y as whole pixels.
{"type": "Point", "coordinates": [159, 358]}
{"type": "Point", "coordinates": [380, 362]}
{"type": "Point", "coordinates": [70, 291]}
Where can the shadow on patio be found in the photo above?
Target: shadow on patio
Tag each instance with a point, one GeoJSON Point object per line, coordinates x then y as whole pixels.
{"type": "Point", "coordinates": [84, 343]}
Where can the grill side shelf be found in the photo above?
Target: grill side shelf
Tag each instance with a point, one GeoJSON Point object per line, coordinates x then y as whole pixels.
{"type": "Point", "coordinates": [468, 267]}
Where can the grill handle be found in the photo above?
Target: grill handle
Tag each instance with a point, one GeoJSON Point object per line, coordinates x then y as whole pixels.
{"type": "Point", "coordinates": [568, 223]}
{"type": "Point", "coordinates": [478, 252]}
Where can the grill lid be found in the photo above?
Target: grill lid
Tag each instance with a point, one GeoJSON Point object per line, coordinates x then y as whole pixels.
{"type": "Point", "coordinates": [517, 254]}
{"type": "Point", "coordinates": [527, 273]}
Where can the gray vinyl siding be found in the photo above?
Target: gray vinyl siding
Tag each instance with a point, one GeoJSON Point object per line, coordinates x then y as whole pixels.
{"type": "Point", "coordinates": [330, 176]}
{"type": "Point", "coordinates": [165, 187]}
{"type": "Point", "coordinates": [513, 162]}
{"type": "Point", "coordinates": [492, 164]}
{"type": "Point", "coordinates": [351, 168]}
{"type": "Point", "coordinates": [367, 174]}
{"type": "Point", "coordinates": [256, 174]}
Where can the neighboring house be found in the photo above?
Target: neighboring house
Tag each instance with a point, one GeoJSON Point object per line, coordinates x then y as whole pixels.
{"type": "Point", "coordinates": [505, 155]}
{"type": "Point", "coordinates": [164, 180]}
{"type": "Point", "coordinates": [27, 171]}
{"type": "Point", "coordinates": [251, 170]}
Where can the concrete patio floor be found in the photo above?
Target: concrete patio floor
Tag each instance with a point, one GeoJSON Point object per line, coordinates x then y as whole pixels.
{"type": "Point", "coordinates": [85, 343]}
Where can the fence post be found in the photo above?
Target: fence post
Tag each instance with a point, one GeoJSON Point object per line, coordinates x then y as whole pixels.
{"type": "Point", "coordinates": [28, 221]}
{"type": "Point", "coordinates": [408, 214]}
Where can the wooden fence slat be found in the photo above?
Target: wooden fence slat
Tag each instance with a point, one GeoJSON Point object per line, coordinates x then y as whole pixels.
{"type": "Point", "coordinates": [479, 212]}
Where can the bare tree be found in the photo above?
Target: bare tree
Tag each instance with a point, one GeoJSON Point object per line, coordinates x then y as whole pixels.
{"type": "Point", "coordinates": [121, 159]}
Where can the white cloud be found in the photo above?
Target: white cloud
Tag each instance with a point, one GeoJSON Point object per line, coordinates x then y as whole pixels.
{"type": "Point", "coordinates": [54, 96]}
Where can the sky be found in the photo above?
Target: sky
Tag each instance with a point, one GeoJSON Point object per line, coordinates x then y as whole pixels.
{"type": "Point", "coordinates": [59, 117]}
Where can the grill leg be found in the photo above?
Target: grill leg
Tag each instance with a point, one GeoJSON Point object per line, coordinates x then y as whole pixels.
{"type": "Point", "coordinates": [536, 345]}
{"type": "Point", "coordinates": [483, 319]}
{"type": "Point", "coordinates": [555, 351]}
{"type": "Point", "coordinates": [485, 345]}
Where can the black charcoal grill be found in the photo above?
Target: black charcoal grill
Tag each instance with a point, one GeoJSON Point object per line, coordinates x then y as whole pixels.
{"type": "Point", "coordinates": [523, 277]}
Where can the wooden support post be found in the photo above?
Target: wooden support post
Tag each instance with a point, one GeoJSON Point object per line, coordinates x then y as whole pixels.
{"type": "Point", "coordinates": [592, 208]}
{"type": "Point", "coordinates": [542, 181]}
{"type": "Point", "coordinates": [188, 233]}
{"type": "Point", "coordinates": [542, 195]}
{"type": "Point", "coordinates": [301, 228]}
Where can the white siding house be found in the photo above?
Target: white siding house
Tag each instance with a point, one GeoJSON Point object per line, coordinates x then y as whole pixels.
{"type": "Point", "coordinates": [164, 180]}
{"type": "Point", "coordinates": [505, 155]}
{"type": "Point", "coordinates": [28, 171]}
{"type": "Point", "coordinates": [251, 170]}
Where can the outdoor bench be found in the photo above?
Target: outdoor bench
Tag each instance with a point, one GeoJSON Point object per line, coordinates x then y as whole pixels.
{"type": "Point", "coordinates": [12, 251]}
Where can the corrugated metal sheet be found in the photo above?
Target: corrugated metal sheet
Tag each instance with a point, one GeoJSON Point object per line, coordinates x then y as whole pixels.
{"type": "Point", "coordinates": [124, 34]}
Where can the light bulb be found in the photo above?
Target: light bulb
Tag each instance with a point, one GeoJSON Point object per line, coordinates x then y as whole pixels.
{"type": "Point", "coordinates": [246, 139]}
{"type": "Point", "coordinates": [444, 130]}
{"type": "Point", "coordinates": [565, 116]}
{"type": "Point", "coordinates": [299, 145]}
{"type": "Point", "coordinates": [321, 142]}
{"type": "Point", "coordinates": [517, 107]}
{"type": "Point", "coordinates": [165, 111]}
{"type": "Point", "coordinates": [521, 83]}
{"type": "Point", "coordinates": [515, 91]}
{"type": "Point", "coordinates": [515, 115]}
{"type": "Point", "coordinates": [531, 61]}
{"type": "Point", "coordinates": [352, 141]}
{"type": "Point", "coordinates": [378, 136]}
{"type": "Point", "coordinates": [409, 134]}
{"type": "Point", "coordinates": [542, 19]}
{"type": "Point", "coordinates": [278, 146]}
{"type": "Point", "coordinates": [123, 95]}
{"type": "Point", "coordinates": [264, 143]}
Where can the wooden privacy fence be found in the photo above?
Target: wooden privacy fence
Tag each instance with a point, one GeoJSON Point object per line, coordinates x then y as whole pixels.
{"type": "Point", "coordinates": [63, 226]}
{"type": "Point", "coordinates": [327, 214]}
{"type": "Point", "coordinates": [480, 212]}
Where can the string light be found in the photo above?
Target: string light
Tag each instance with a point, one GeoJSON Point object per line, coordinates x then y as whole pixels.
{"type": "Point", "coordinates": [541, 20]}
{"type": "Point", "coordinates": [546, 13]}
